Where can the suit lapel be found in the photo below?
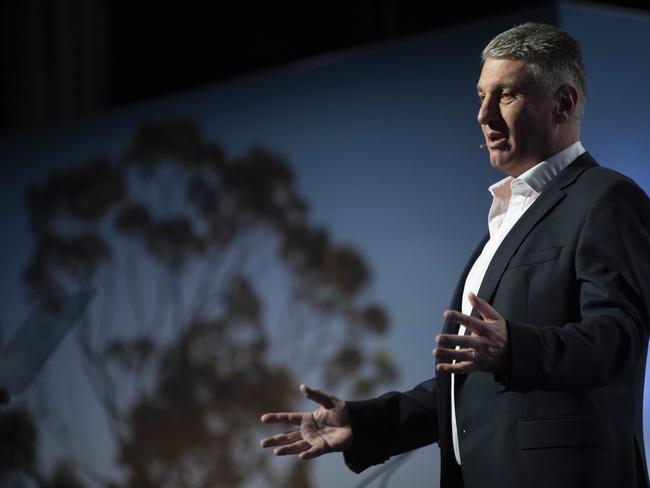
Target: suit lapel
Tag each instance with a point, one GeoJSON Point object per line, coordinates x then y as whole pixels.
{"type": "Point", "coordinates": [457, 297]}
{"type": "Point", "coordinates": [550, 197]}
{"type": "Point", "coordinates": [444, 380]}
{"type": "Point", "coordinates": [544, 204]}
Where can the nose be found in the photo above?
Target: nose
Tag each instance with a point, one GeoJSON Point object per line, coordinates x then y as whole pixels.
{"type": "Point", "coordinates": [488, 111]}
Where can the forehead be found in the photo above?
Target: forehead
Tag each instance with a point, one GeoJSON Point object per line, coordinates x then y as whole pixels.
{"type": "Point", "coordinates": [498, 73]}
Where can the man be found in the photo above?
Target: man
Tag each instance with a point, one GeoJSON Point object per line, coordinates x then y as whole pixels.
{"type": "Point", "coordinates": [540, 366]}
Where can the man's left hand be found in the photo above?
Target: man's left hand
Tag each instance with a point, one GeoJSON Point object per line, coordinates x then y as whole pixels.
{"type": "Point", "coordinates": [484, 350]}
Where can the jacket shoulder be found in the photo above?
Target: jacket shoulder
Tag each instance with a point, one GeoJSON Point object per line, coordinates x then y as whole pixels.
{"type": "Point", "coordinates": [598, 180]}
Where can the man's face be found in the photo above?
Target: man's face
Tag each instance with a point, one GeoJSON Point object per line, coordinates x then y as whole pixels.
{"type": "Point", "coordinates": [517, 120]}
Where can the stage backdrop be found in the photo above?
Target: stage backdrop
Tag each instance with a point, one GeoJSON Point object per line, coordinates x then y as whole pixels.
{"type": "Point", "coordinates": [305, 224]}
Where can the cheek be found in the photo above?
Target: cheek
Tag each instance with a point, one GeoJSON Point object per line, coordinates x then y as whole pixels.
{"type": "Point", "coordinates": [524, 128]}
{"type": "Point", "coordinates": [512, 120]}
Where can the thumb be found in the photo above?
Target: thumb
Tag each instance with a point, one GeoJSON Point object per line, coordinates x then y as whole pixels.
{"type": "Point", "coordinates": [317, 396]}
{"type": "Point", "coordinates": [483, 307]}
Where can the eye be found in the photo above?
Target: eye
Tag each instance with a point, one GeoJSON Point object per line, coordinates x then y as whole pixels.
{"type": "Point", "coordinates": [507, 96]}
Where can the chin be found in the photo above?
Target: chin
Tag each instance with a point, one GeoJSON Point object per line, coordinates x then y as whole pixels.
{"type": "Point", "coordinates": [499, 162]}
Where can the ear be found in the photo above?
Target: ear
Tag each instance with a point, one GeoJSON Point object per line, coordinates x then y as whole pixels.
{"type": "Point", "coordinates": [567, 99]}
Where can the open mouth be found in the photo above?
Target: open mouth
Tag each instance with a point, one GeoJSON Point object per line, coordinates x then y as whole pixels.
{"type": "Point", "coordinates": [496, 140]}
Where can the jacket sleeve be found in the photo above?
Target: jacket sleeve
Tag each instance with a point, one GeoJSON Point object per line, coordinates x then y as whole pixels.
{"type": "Point", "coordinates": [612, 269]}
{"type": "Point", "coordinates": [392, 424]}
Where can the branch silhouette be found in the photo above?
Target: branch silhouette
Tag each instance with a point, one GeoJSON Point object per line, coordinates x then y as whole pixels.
{"type": "Point", "coordinates": [178, 239]}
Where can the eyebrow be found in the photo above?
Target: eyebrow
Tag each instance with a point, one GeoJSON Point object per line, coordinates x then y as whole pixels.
{"type": "Point", "coordinates": [501, 87]}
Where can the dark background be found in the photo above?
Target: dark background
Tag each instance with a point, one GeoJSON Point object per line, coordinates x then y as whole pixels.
{"type": "Point", "coordinates": [61, 60]}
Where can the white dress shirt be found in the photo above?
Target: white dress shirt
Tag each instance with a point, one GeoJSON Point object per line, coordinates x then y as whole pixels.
{"type": "Point", "coordinates": [511, 198]}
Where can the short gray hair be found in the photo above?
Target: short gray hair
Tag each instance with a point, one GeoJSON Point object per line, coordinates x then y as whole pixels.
{"type": "Point", "coordinates": [552, 56]}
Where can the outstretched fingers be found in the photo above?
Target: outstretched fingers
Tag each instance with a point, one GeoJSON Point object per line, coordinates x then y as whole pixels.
{"type": "Point", "coordinates": [473, 324]}
{"type": "Point", "coordinates": [312, 452]}
{"type": "Point", "coordinates": [317, 396]}
{"type": "Point", "coordinates": [484, 308]}
{"type": "Point", "coordinates": [294, 448]}
{"type": "Point", "coordinates": [293, 418]}
{"type": "Point", "coordinates": [281, 439]}
{"type": "Point", "coordinates": [452, 340]}
{"type": "Point", "coordinates": [462, 367]}
{"type": "Point", "coordinates": [449, 355]}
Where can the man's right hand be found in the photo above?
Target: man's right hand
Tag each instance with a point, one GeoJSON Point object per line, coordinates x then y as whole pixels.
{"type": "Point", "coordinates": [326, 429]}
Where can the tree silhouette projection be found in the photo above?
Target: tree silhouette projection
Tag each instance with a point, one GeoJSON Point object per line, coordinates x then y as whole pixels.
{"type": "Point", "coordinates": [216, 296]}
{"type": "Point", "coordinates": [18, 460]}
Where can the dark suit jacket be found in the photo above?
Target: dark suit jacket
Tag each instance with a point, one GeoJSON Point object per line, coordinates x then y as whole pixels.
{"type": "Point", "coordinates": [572, 279]}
